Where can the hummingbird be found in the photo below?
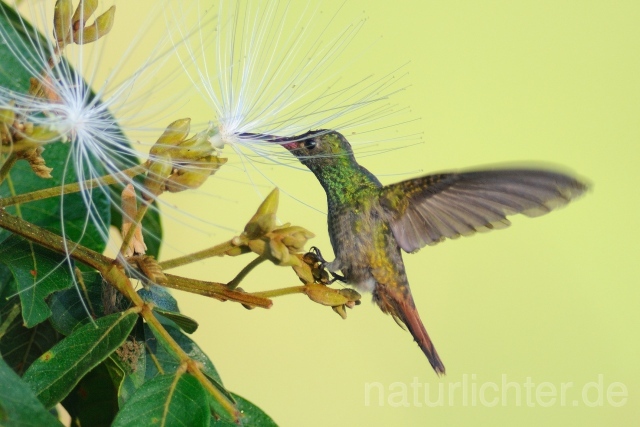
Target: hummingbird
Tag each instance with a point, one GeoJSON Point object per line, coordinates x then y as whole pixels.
{"type": "Point", "coordinates": [371, 224]}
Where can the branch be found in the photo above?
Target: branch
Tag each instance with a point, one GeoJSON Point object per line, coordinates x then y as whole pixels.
{"type": "Point", "coordinates": [74, 187]}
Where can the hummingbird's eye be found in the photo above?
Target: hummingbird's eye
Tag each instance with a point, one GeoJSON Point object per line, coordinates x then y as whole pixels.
{"type": "Point", "coordinates": [310, 144]}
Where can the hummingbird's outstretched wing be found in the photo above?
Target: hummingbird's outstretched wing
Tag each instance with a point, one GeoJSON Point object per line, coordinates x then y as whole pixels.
{"type": "Point", "coordinates": [426, 210]}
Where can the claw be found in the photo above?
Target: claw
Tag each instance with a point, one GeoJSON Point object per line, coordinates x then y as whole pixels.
{"type": "Point", "coordinates": [316, 251]}
{"type": "Point", "coordinates": [319, 261]}
{"type": "Point", "coordinates": [337, 276]}
{"type": "Point", "coordinates": [321, 264]}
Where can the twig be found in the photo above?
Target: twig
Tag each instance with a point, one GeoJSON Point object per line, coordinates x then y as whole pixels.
{"type": "Point", "coordinates": [7, 165]}
{"type": "Point", "coordinates": [216, 290]}
{"type": "Point", "coordinates": [243, 273]}
{"type": "Point", "coordinates": [72, 188]}
{"type": "Point", "coordinates": [217, 250]}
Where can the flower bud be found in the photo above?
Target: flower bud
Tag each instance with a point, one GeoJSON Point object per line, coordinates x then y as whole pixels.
{"type": "Point", "coordinates": [264, 220]}
{"type": "Point", "coordinates": [336, 299]}
{"type": "Point", "coordinates": [151, 269]}
{"type": "Point", "coordinates": [279, 254]}
{"type": "Point", "coordinates": [173, 135]}
{"type": "Point", "coordinates": [36, 161]}
{"type": "Point", "coordinates": [294, 237]}
{"type": "Point", "coordinates": [303, 270]}
{"type": "Point", "coordinates": [39, 135]}
{"type": "Point", "coordinates": [157, 174]}
{"type": "Point", "coordinates": [129, 204]}
{"type": "Point", "coordinates": [83, 12]}
{"type": "Point", "coordinates": [325, 295]}
{"type": "Point", "coordinates": [257, 246]}
{"type": "Point", "coordinates": [62, 20]}
{"type": "Point", "coordinates": [7, 117]}
{"type": "Point", "coordinates": [195, 148]}
{"type": "Point", "coordinates": [238, 250]}
{"type": "Point", "coordinates": [99, 28]}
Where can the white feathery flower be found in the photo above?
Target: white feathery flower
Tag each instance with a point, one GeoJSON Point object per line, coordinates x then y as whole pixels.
{"type": "Point", "coordinates": [90, 109]}
{"type": "Point", "coordinates": [82, 98]}
{"type": "Point", "coordinates": [283, 68]}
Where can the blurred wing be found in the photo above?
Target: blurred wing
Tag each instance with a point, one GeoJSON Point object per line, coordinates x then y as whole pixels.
{"type": "Point", "coordinates": [425, 211]}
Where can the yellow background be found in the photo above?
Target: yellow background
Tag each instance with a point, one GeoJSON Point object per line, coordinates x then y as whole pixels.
{"type": "Point", "coordinates": [554, 299]}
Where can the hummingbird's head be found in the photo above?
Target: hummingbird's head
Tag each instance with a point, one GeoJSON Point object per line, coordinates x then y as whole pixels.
{"type": "Point", "coordinates": [316, 148]}
{"type": "Point", "coordinates": [316, 144]}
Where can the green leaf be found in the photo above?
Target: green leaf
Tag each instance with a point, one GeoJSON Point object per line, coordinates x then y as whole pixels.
{"type": "Point", "coordinates": [18, 405]}
{"type": "Point", "coordinates": [185, 323]}
{"type": "Point", "coordinates": [69, 311]}
{"type": "Point", "coordinates": [7, 286]}
{"type": "Point", "coordinates": [167, 400]}
{"type": "Point", "coordinates": [56, 372]}
{"type": "Point", "coordinates": [94, 401]}
{"type": "Point", "coordinates": [168, 361]}
{"type": "Point", "coordinates": [115, 370]}
{"type": "Point", "coordinates": [133, 371]}
{"type": "Point", "coordinates": [163, 361]}
{"type": "Point", "coordinates": [20, 346]}
{"type": "Point", "coordinates": [13, 74]}
{"type": "Point", "coordinates": [160, 297]}
{"type": "Point", "coordinates": [152, 230]}
{"type": "Point", "coordinates": [251, 415]}
{"type": "Point", "coordinates": [167, 306]}
{"type": "Point", "coordinates": [37, 273]}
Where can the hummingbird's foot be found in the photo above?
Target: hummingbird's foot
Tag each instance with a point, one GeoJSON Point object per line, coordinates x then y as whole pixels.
{"type": "Point", "coordinates": [336, 276]}
{"type": "Point", "coordinates": [323, 264]}
{"type": "Point", "coordinates": [316, 251]}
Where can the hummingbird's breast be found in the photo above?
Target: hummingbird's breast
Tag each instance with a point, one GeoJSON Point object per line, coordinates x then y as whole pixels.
{"type": "Point", "coordinates": [366, 251]}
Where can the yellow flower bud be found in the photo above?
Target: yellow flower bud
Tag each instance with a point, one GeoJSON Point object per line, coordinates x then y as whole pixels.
{"type": "Point", "coordinates": [194, 174]}
{"type": "Point", "coordinates": [36, 161]}
{"type": "Point", "coordinates": [264, 219]}
{"type": "Point", "coordinates": [173, 135]}
{"type": "Point", "coordinates": [352, 295]}
{"type": "Point", "coordinates": [129, 204]}
{"type": "Point", "coordinates": [62, 20]}
{"type": "Point", "coordinates": [194, 148]}
{"type": "Point", "coordinates": [280, 255]}
{"type": "Point", "coordinates": [186, 180]}
{"type": "Point", "coordinates": [99, 28]}
{"type": "Point", "coordinates": [238, 250]}
{"type": "Point", "coordinates": [303, 270]}
{"type": "Point", "coordinates": [336, 299]}
{"type": "Point", "coordinates": [294, 237]}
{"type": "Point", "coordinates": [39, 135]}
{"type": "Point", "coordinates": [340, 310]}
{"type": "Point", "coordinates": [151, 269]}
{"type": "Point", "coordinates": [325, 295]}
{"type": "Point", "coordinates": [257, 246]}
{"type": "Point", "coordinates": [7, 117]}
{"type": "Point", "coordinates": [158, 173]}
{"type": "Point", "coordinates": [83, 12]}
{"type": "Point", "coordinates": [270, 203]}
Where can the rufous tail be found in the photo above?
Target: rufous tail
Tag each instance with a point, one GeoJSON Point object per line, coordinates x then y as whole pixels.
{"type": "Point", "coordinates": [399, 304]}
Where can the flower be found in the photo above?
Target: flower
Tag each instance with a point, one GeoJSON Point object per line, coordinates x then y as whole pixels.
{"type": "Point", "coordinates": [61, 93]}
{"type": "Point", "coordinates": [281, 68]}
{"type": "Point", "coordinates": [61, 82]}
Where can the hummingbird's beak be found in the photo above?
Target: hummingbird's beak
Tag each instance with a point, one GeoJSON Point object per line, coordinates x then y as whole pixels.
{"type": "Point", "coordinates": [288, 142]}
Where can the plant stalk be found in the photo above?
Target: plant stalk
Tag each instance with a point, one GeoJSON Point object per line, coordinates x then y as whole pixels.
{"type": "Point", "coordinates": [72, 188]}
